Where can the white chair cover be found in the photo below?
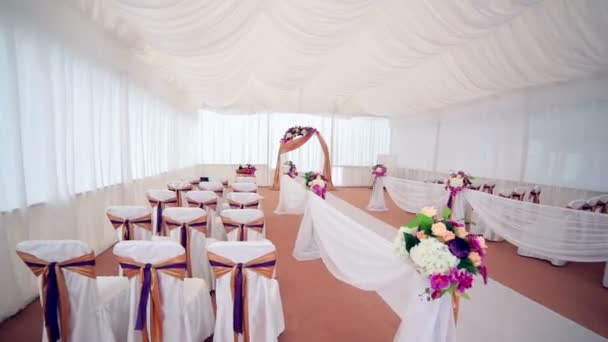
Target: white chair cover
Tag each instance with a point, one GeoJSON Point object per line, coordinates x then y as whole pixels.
{"type": "Point", "coordinates": [179, 186]}
{"type": "Point", "coordinates": [98, 306]}
{"type": "Point", "coordinates": [339, 233]}
{"type": "Point", "coordinates": [292, 196]}
{"type": "Point", "coordinates": [160, 199]}
{"type": "Point", "coordinates": [579, 204]}
{"type": "Point", "coordinates": [376, 201]}
{"type": "Point", "coordinates": [245, 216]}
{"type": "Point", "coordinates": [220, 179]}
{"type": "Point", "coordinates": [264, 305]}
{"type": "Point", "coordinates": [214, 186]}
{"type": "Point", "coordinates": [242, 179]}
{"type": "Point", "coordinates": [242, 200]}
{"type": "Point", "coordinates": [199, 198]}
{"type": "Point", "coordinates": [186, 305]}
{"type": "Point", "coordinates": [199, 264]}
{"type": "Point", "coordinates": [244, 187]}
{"type": "Point", "coordinates": [194, 182]}
{"type": "Point", "coordinates": [141, 229]}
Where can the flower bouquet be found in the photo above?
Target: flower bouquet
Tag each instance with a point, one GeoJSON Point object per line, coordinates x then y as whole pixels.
{"type": "Point", "coordinates": [443, 251]}
{"type": "Point", "coordinates": [246, 169]}
{"type": "Point", "coordinates": [379, 170]}
{"type": "Point", "coordinates": [316, 182]}
{"type": "Point", "coordinates": [455, 182]}
{"type": "Point", "coordinates": [296, 131]}
{"type": "Point", "coordinates": [289, 168]}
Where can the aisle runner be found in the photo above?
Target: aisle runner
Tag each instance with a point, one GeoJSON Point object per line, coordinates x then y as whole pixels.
{"type": "Point", "coordinates": [495, 312]}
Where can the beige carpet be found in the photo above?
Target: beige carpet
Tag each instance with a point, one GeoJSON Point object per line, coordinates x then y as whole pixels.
{"type": "Point", "coordinates": [320, 308]}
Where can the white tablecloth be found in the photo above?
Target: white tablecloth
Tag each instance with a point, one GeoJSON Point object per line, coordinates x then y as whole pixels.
{"type": "Point", "coordinates": [292, 196]}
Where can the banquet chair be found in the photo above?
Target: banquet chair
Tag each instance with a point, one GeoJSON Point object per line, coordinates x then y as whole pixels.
{"type": "Point", "coordinates": [82, 307]}
{"type": "Point", "coordinates": [245, 179]}
{"type": "Point", "coordinates": [534, 195]}
{"type": "Point", "coordinates": [214, 186]}
{"type": "Point", "coordinates": [244, 224]}
{"type": "Point", "coordinates": [209, 201]}
{"type": "Point", "coordinates": [519, 193]}
{"type": "Point", "coordinates": [159, 200]}
{"type": "Point", "coordinates": [131, 222]}
{"type": "Point", "coordinates": [244, 187]}
{"type": "Point", "coordinates": [488, 187]}
{"type": "Point", "coordinates": [194, 182]}
{"type": "Point", "coordinates": [221, 179]}
{"type": "Point", "coordinates": [241, 200]}
{"type": "Point", "coordinates": [506, 193]}
{"type": "Point", "coordinates": [188, 226]}
{"type": "Point", "coordinates": [579, 204]}
{"type": "Point", "coordinates": [179, 187]}
{"type": "Point", "coordinates": [172, 308]}
{"type": "Point", "coordinates": [259, 317]}
{"type": "Point", "coordinates": [598, 203]}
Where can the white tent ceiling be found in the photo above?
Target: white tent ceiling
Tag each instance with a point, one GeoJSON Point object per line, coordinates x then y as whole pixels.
{"type": "Point", "coordinates": [380, 57]}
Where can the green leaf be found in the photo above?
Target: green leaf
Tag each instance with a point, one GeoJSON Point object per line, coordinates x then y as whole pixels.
{"type": "Point", "coordinates": [467, 265]}
{"type": "Point", "coordinates": [410, 241]}
{"type": "Point", "coordinates": [425, 221]}
{"type": "Point", "coordinates": [465, 296]}
{"type": "Point", "coordinates": [445, 213]}
{"type": "Point", "coordinates": [413, 223]}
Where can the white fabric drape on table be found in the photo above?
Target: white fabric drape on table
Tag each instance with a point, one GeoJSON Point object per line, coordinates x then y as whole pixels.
{"type": "Point", "coordinates": [339, 233]}
{"type": "Point", "coordinates": [412, 196]}
{"type": "Point", "coordinates": [376, 201]}
{"type": "Point", "coordinates": [292, 196]}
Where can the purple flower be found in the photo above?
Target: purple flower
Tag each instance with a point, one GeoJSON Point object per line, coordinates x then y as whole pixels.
{"type": "Point", "coordinates": [435, 294]}
{"type": "Point", "coordinates": [484, 273]}
{"type": "Point", "coordinates": [459, 247]}
{"type": "Point", "coordinates": [475, 245]}
{"type": "Point", "coordinates": [465, 281]}
{"type": "Point", "coordinates": [455, 224]}
{"type": "Point", "coordinates": [440, 281]}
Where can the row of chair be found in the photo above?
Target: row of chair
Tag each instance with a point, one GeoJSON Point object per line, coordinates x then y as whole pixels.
{"type": "Point", "coordinates": [173, 247]}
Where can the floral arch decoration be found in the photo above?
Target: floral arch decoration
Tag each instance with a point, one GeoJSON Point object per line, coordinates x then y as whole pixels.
{"type": "Point", "coordinates": [293, 139]}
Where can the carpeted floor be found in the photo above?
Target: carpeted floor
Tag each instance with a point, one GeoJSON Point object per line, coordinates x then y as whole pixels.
{"type": "Point", "coordinates": [320, 308]}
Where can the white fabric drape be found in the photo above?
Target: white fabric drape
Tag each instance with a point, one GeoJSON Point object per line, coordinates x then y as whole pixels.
{"type": "Point", "coordinates": [389, 57]}
{"type": "Point", "coordinates": [292, 196]}
{"type": "Point", "coordinates": [412, 196]}
{"type": "Point", "coordinates": [549, 136]}
{"type": "Point", "coordinates": [376, 201]}
{"type": "Point", "coordinates": [339, 233]}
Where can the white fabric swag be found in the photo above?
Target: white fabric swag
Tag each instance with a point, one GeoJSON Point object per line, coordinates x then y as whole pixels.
{"type": "Point", "coordinates": [551, 232]}
{"type": "Point", "coordinates": [339, 233]}
{"type": "Point", "coordinates": [292, 196]}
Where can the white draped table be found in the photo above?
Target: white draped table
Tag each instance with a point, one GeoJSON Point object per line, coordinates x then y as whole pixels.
{"type": "Point", "coordinates": [292, 196]}
{"type": "Point", "coordinates": [540, 231]}
{"type": "Point", "coordinates": [358, 250]}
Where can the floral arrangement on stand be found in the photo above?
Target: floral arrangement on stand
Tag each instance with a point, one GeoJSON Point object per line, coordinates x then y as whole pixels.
{"type": "Point", "coordinates": [289, 168]}
{"type": "Point", "coordinates": [316, 182]}
{"type": "Point", "coordinates": [379, 170]}
{"type": "Point", "coordinates": [444, 251]}
{"type": "Point", "coordinates": [455, 183]}
{"type": "Point", "coordinates": [246, 169]}
{"type": "Point", "coordinates": [296, 131]}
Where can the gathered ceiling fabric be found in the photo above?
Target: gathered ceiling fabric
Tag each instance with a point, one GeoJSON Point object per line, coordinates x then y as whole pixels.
{"type": "Point", "coordinates": [384, 57]}
{"type": "Point", "coordinates": [547, 231]}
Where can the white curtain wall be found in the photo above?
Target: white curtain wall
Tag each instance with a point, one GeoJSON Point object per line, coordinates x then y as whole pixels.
{"type": "Point", "coordinates": [555, 137]}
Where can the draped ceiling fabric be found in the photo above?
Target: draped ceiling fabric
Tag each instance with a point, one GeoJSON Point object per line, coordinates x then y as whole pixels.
{"type": "Point", "coordinates": [297, 143]}
{"type": "Point", "coordinates": [380, 57]}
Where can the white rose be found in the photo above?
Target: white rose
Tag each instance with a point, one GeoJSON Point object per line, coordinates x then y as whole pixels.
{"type": "Point", "coordinates": [456, 182]}
{"type": "Point", "coordinates": [429, 211]}
{"type": "Point", "coordinates": [319, 182]}
{"type": "Point", "coordinates": [288, 135]}
{"type": "Point", "coordinates": [304, 132]}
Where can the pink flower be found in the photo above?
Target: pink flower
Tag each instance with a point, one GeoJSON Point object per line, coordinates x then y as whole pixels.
{"type": "Point", "coordinates": [439, 229]}
{"type": "Point", "coordinates": [421, 235]}
{"type": "Point", "coordinates": [482, 242]}
{"type": "Point", "coordinates": [448, 236]}
{"type": "Point", "coordinates": [475, 258]}
{"type": "Point", "coordinates": [440, 281]}
{"type": "Point", "coordinates": [461, 232]}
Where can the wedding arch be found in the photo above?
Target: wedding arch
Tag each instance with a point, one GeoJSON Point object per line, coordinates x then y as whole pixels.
{"type": "Point", "coordinates": [296, 137]}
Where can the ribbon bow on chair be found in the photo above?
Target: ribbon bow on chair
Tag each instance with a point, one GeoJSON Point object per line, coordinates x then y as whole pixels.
{"type": "Point", "coordinates": [144, 221]}
{"type": "Point", "coordinates": [263, 265]}
{"type": "Point", "coordinates": [178, 191]}
{"type": "Point", "coordinates": [199, 224]}
{"type": "Point", "coordinates": [239, 205]}
{"type": "Point", "coordinates": [150, 288]}
{"type": "Point", "coordinates": [55, 297]}
{"type": "Point", "coordinates": [211, 203]}
{"type": "Point", "coordinates": [160, 204]}
{"type": "Point", "coordinates": [230, 225]}
{"type": "Point", "coordinates": [534, 196]}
